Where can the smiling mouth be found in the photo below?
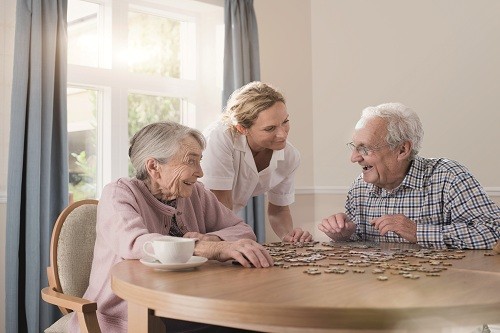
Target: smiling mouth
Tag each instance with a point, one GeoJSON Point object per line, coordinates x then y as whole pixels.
{"type": "Point", "coordinates": [367, 167]}
{"type": "Point", "coordinates": [188, 183]}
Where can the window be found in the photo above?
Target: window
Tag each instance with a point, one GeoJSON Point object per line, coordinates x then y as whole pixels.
{"type": "Point", "coordinates": [82, 141]}
{"type": "Point", "coordinates": [131, 63]}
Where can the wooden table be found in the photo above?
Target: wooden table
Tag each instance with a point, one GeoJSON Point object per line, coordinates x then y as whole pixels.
{"type": "Point", "coordinates": [288, 300]}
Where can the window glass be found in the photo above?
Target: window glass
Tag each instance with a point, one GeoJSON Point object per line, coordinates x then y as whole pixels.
{"type": "Point", "coordinates": [153, 44]}
{"type": "Point", "coordinates": [131, 63]}
{"type": "Point", "coordinates": [82, 142]}
{"type": "Point", "coordinates": [83, 33]}
{"type": "Point", "coordinates": [147, 109]}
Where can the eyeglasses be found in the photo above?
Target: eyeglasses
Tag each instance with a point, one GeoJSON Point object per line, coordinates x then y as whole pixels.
{"type": "Point", "coordinates": [363, 150]}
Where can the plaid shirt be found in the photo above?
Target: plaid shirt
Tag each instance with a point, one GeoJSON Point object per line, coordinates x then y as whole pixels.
{"type": "Point", "coordinates": [446, 202]}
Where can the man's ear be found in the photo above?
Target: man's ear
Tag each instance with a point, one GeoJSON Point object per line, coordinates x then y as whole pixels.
{"type": "Point", "coordinates": [242, 130]}
{"type": "Point", "coordinates": [404, 151]}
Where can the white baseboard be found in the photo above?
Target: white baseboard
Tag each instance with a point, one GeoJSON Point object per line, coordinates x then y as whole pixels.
{"type": "Point", "coordinates": [321, 190]}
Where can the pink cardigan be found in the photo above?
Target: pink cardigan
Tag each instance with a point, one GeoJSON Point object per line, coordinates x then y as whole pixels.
{"type": "Point", "coordinates": [128, 215]}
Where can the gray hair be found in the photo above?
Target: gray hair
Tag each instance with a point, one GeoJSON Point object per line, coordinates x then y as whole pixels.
{"type": "Point", "coordinates": [403, 124]}
{"type": "Point", "coordinates": [160, 141]}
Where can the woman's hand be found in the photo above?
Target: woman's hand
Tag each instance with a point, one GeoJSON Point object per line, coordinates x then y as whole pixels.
{"type": "Point", "coordinates": [246, 251]}
{"type": "Point", "coordinates": [297, 235]}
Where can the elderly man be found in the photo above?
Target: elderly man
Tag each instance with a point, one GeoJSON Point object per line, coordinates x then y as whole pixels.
{"type": "Point", "coordinates": [402, 197]}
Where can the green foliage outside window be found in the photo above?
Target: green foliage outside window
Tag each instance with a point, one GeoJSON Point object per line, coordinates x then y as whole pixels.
{"type": "Point", "coordinates": [82, 176]}
{"type": "Point", "coordinates": [83, 185]}
{"type": "Point", "coordinates": [154, 43]}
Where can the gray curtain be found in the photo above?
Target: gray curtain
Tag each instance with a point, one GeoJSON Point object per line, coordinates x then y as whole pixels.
{"type": "Point", "coordinates": [37, 189]}
{"type": "Point", "coordinates": [241, 66]}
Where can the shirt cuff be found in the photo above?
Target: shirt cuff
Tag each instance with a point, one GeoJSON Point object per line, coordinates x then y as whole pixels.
{"type": "Point", "coordinates": [281, 199]}
{"type": "Point", "coordinates": [430, 236]}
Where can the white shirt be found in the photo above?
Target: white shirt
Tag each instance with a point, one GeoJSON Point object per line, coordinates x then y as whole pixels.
{"type": "Point", "coordinates": [228, 164]}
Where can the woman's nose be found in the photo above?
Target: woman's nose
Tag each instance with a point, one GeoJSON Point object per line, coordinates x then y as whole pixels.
{"type": "Point", "coordinates": [199, 171]}
{"type": "Point", "coordinates": [282, 132]}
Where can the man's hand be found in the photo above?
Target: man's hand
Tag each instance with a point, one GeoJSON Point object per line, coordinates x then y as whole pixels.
{"type": "Point", "coordinates": [337, 227]}
{"type": "Point", "coordinates": [399, 224]}
{"type": "Point", "coordinates": [297, 235]}
{"type": "Point", "coordinates": [246, 251]}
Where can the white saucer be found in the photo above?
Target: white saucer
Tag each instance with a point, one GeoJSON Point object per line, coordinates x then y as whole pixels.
{"type": "Point", "coordinates": [194, 261]}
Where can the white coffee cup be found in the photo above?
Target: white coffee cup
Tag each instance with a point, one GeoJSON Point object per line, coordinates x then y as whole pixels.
{"type": "Point", "coordinates": [169, 250]}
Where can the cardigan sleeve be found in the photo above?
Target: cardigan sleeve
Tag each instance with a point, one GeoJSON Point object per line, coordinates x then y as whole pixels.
{"type": "Point", "coordinates": [214, 218]}
{"type": "Point", "coordinates": [120, 223]}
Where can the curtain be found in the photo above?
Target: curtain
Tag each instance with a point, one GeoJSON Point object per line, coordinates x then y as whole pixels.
{"type": "Point", "coordinates": [241, 66]}
{"type": "Point", "coordinates": [37, 189]}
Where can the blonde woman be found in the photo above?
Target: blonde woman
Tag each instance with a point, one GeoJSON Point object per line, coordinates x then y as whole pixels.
{"type": "Point", "coordinates": [248, 154]}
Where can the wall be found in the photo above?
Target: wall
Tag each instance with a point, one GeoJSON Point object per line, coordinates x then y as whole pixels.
{"type": "Point", "coordinates": [7, 14]}
{"type": "Point", "coordinates": [438, 57]}
{"type": "Point", "coordinates": [332, 58]}
{"type": "Point", "coordinates": [286, 62]}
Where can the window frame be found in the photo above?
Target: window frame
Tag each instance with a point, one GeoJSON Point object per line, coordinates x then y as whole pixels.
{"type": "Point", "coordinates": [114, 81]}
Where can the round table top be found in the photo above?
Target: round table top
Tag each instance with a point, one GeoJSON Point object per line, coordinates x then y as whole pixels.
{"type": "Point", "coordinates": [465, 292]}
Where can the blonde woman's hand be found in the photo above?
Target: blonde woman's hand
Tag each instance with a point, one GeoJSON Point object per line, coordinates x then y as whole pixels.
{"type": "Point", "coordinates": [297, 235]}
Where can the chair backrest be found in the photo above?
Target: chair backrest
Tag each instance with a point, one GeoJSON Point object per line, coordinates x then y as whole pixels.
{"type": "Point", "coordinates": [72, 249]}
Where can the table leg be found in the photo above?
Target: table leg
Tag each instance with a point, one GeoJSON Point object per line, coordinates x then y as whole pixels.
{"type": "Point", "coordinates": [137, 318]}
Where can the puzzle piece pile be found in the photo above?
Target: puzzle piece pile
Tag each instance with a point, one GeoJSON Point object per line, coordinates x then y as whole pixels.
{"type": "Point", "coordinates": [358, 258]}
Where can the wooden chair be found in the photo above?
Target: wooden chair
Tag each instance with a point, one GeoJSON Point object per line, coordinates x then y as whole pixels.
{"type": "Point", "coordinates": [71, 254]}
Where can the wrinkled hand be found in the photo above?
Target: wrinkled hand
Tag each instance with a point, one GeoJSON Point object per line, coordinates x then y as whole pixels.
{"type": "Point", "coordinates": [398, 224]}
{"type": "Point", "coordinates": [246, 251]}
{"type": "Point", "coordinates": [203, 237]}
{"type": "Point", "coordinates": [337, 227]}
{"type": "Point", "coordinates": [297, 235]}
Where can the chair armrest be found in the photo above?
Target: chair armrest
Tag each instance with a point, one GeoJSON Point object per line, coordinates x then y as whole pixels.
{"type": "Point", "coordinates": [76, 304]}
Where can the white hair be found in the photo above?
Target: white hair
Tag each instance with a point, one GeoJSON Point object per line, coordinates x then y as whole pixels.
{"type": "Point", "coordinates": [160, 141]}
{"type": "Point", "coordinates": [403, 124]}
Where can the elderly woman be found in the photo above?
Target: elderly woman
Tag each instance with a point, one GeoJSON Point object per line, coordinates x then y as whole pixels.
{"type": "Point", "coordinates": [163, 199]}
{"type": "Point", "coordinates": [248, 154]}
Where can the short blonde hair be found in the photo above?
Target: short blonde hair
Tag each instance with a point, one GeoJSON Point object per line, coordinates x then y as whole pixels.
{"type": "Point", "coordinates": [160, 141]}
{"type": "Point", "coordinates": [245, 104]}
